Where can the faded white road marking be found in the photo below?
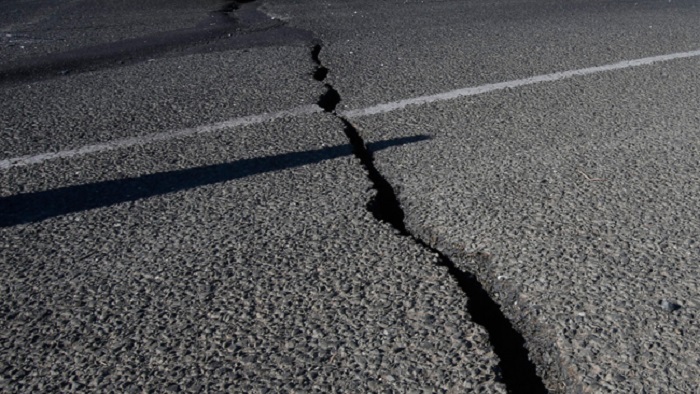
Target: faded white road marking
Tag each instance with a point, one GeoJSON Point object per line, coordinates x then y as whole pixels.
{"type": "Point", "coordinates": [145, 139]}
{"type": "Point", "coordinates": [309, 109]}
{"type": "Point", "coordinates": [473, 91]}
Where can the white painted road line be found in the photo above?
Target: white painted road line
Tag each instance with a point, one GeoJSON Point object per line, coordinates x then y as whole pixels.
{"type": "Point", "coordinates": [473, 91]}
{"type": "Point", "coordinates": [145, 139]}
{"type": "Point", "coordinates": [310, 109]}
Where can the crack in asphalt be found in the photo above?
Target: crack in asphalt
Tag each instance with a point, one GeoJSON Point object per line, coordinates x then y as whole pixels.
{"type": "Point", "coordinates": [517, 371]}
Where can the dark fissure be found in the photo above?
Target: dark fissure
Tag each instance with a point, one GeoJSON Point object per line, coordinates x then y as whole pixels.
{"type": "Point", "coordinates": [518, 373]}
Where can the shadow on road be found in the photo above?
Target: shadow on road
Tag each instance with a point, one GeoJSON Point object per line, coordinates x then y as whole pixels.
{"type": "Point", "coordinates": [218, 33]}
{"type": "Point", "coordinates": [38, 206]}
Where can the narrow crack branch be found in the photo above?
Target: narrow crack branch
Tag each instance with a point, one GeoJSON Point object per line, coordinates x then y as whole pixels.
{"type": "Point", "coordinates": [519, 374]}
{"type": "Point", "coordinates": [321, 72]}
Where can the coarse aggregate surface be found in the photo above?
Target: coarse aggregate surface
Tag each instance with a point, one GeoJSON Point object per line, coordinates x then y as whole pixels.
{"type": "Point", "coordinates": [151, 97]}
{"type": "Point", "coordinates": [244, 259]}
{"type": "Point", "coordinates": [30, 28]}
{"type": "Point", "coordinates": [273, 277]}
{"type": "Point", "coordinates": [576, 203]}
{"type": "Point", "coordinates": [385, 51]}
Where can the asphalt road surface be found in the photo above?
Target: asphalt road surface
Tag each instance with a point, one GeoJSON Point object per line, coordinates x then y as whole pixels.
{"type": "Point", "coordinates": [356, 196]}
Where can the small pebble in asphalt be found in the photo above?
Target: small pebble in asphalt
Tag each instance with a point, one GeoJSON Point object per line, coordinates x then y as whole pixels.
{"type": "Point", "coordinates": [669, 306]}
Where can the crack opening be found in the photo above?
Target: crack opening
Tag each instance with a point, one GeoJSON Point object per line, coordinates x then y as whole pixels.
{"type": "Point", "coordinates": [384, 205]}
{"type": "Point", "coordinates": [321, 72]}
{"type": "Point", "coordinates": [315, 51]}
{"type": "Point", "coordinates": [329, 99]}
{"type": "Point", "coordinates": [518, 372]}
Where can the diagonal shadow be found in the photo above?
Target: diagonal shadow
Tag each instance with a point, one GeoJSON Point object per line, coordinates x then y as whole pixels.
{"type": "Point", "coordinates": [137, 50]}
{"type": "Point", "coordinates": [217, 34]}
{"type": "Point", "coordinates": [38, 206]}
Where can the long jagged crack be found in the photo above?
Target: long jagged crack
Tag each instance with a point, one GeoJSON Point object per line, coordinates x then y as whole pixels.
{"type": "Point", "coordinates": [519, 374]}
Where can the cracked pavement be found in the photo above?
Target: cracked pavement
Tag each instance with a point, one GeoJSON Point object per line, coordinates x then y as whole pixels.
{"type": "Point", "coordinates": [242, 259]}
{"type": "Point", "coordinates": [277, 280]}
{"type": "Point", "coordinates": [215, 222]}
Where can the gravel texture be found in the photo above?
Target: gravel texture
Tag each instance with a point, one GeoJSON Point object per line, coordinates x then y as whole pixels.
{"type": "Point", "coordinates": [385, 51]}
{"type": "Point", "coordinates": [151, 97]}
{"type": "Point", "coordinates": [40, 27]}
{"type": "Point", "coordinates": [270, 281]}
{"type": "Point", "coordinates": [577, 204]}
{"type": "Point", "coordinates": [245, 259]}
